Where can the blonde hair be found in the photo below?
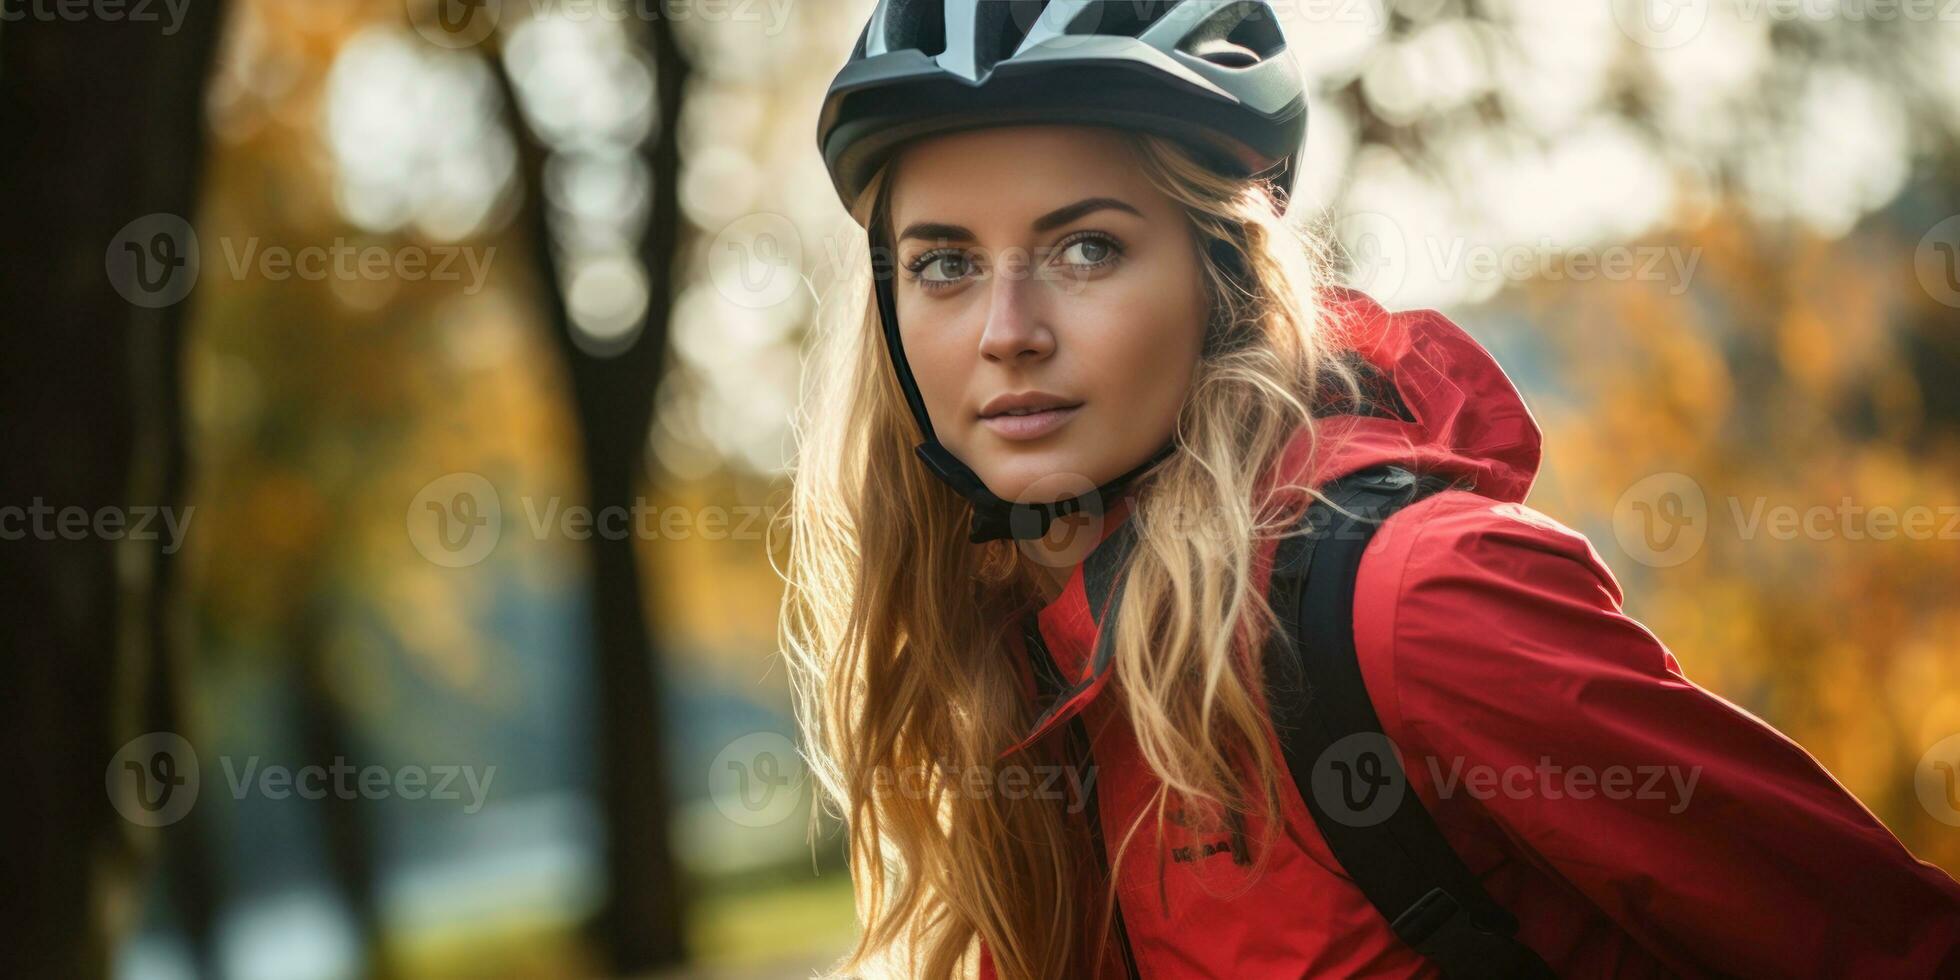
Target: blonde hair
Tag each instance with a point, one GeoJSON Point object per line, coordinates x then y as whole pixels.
{"type": "Point", "coordinates": [896, 627]}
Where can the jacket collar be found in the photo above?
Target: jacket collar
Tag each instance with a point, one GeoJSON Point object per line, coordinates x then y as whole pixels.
{"type": "Point", "coordinates": [1067, 632]}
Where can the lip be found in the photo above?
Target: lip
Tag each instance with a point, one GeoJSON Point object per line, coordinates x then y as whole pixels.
{"type": "Point", "coordinates": [1031, 426]}
{"type": "Point", "coordinates": [1025, 399]}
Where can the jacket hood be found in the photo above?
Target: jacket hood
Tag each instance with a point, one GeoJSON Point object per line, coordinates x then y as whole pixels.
{"type": "Point", "coordinates": [1436, 402]}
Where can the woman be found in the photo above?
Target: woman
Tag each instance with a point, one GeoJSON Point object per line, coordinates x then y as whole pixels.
{"type": "Point", "coordinates": [1057, 754]}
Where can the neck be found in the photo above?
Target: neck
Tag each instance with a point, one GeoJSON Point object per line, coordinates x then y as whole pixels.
{"type": "Point", "coordinates": [1054, 556]}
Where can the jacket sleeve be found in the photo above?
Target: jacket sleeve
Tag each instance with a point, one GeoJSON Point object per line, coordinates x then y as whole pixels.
{"type": "Point", "coordinates": [1713, 839]}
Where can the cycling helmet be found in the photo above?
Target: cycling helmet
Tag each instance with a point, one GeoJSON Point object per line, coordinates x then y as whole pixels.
{"type": "Point", "coordinates": [1213, 74]}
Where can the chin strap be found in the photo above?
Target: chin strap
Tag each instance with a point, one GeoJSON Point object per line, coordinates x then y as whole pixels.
{"type": "Point", "coordinates": [993, 518]}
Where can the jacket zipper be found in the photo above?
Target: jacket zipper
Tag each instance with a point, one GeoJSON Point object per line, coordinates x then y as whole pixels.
{"type": "Point", "coordinates": [1081, 737]}
{"type": "Point", "coordinates": [1048, 679]}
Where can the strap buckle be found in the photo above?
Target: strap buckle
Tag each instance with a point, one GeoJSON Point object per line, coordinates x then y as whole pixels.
{"type": "Point", "coordinates": [1445, 930]}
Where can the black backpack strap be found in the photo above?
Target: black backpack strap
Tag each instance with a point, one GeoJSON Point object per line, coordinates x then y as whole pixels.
{"type": "Point", "coordinates": [1346, 768]}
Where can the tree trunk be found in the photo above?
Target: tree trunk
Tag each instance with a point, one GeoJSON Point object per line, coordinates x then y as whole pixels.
{"type": "Point", "coordinates": [103, 124]}
{"type": "Point", "coordinates": [639, 928]}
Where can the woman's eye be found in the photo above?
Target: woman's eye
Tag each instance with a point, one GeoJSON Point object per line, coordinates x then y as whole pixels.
{"type": "Point", "coordinates": [1086, 252]}
{"type": "Point", "coordinates": [1089, 252]}
{"type": "Point", "coordinates": [941, 269]}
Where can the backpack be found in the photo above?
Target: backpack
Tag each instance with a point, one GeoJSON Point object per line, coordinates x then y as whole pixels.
{"type": "Point", "coordinates": [1332, 739]}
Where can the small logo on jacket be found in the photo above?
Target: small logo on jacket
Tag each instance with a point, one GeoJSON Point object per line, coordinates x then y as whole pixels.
{"type": "Point", "coordinates": [1234, 843]}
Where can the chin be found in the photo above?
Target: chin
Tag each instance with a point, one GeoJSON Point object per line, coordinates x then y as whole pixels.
{"type": "Point", "coordinates": [1040, 478]}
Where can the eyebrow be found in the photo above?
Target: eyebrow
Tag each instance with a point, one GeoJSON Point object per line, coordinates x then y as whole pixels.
{"type": "Point", "coordinates": [933, 230]}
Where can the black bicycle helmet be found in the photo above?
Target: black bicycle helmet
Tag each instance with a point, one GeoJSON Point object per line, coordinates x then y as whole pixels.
{"type": "Point", "coordinates": [1212, 74]}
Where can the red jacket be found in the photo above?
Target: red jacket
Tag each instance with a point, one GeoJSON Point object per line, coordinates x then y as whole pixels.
{"type": "Point", "coordinates": [1636, 824]}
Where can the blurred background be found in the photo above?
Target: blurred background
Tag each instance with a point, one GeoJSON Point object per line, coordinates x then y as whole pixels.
{"type": "Point", "coordinates": [404, 390]}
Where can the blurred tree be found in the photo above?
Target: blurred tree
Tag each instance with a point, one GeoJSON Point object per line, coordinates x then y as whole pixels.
{"type": "Point", "coordinates": [640, 927]}
{"type": "Point", "coordinates": [103, 123]}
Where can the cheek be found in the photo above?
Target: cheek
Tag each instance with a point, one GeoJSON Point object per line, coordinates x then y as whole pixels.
{"type": "Point", "coordinates": [1147, 360]}
{"type": "Point", "coordinates": [933, 350]}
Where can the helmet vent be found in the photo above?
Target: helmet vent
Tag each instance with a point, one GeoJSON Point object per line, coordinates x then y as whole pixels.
{"type": "Point", "coordinates": [1238, 35]}
{"type": "Point", "coordinates": [999, 26]}
{"type": "Point", "coordinates": [918, 24]}
{"type": "Point", "coordinates": [1122, 18]}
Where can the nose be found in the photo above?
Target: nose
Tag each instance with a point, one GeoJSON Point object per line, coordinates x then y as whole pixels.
{"type": "Point", "coordinates": [1015, 326]}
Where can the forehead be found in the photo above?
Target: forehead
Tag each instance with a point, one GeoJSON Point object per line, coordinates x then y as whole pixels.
{"type": "Point", "coordinates": [1003, 177]}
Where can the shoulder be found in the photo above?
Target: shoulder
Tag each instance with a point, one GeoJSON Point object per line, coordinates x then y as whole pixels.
{"type": "Point", "coordinates": [1465, 604]}
{"type": "Point", "coordinates": [1433, 542]}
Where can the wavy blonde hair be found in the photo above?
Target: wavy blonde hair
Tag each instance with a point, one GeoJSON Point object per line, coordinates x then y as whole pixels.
{"type": "Point", "coordinates": [897, 628]}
